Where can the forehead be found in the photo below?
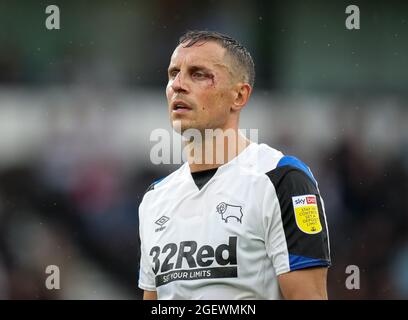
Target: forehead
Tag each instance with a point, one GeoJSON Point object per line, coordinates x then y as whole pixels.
{"type": "Point", "coordinates": [209, 53]}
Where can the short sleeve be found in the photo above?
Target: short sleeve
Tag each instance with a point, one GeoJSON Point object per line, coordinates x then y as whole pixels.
{"type": "Point", "coordinates": [296, 232]}
{"type": "Point", "coordinates": [146, 275]}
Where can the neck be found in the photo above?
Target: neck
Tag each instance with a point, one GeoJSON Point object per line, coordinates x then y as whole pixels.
{"type": "Point", "coordinates": [215, 149]}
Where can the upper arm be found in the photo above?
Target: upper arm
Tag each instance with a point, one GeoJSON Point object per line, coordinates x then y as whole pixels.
{"type": "Point", "coordinates": [149, 295]}
{"type": "Point", "coordinates": [296, 230]}
{"type": "Point", "coordinates": [304, 284]}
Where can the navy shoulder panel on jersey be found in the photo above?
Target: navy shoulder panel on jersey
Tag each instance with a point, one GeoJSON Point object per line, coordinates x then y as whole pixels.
{"type": "Point", "coordinates": [305, 229]}
{"type": "Point", "coordinates": [296, 163]}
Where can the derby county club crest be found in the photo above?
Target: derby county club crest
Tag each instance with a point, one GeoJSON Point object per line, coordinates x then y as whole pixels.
{"type": "Point", "coordinates": [229, 211]}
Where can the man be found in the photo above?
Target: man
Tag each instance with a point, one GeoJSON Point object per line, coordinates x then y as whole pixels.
{"type": "Point", "coordinates": [249, 227]}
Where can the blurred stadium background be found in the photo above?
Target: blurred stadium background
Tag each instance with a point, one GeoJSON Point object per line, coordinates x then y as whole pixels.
{"type": "Point", "coordinates": [77, 107]}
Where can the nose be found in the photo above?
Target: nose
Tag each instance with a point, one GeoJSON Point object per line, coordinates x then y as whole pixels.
{"type": "Point", "coordinates": [178, 84]}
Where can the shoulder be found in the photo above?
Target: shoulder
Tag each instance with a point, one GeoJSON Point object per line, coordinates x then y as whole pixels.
{"type": "Point", "coordinates": [276, 166]}
{"type": "Point", "coordinates": [262, 158]}
{"type": "Point", "coordinates": [292, 171]}
{"type": "Point", "coordinates": [151, 187]}
{"type": "Point", "coordinates": [286, 174]}
{"type": "Point", "coordinates": [164, 182]}
{"type": "Point", "coordinates": [274, 163]}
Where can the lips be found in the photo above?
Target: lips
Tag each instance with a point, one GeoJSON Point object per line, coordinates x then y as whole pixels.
{"type": "Point", "coordinates": [179, 106]}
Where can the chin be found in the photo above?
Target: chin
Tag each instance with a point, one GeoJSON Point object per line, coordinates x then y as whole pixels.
{"type": "Point", "coordinates": [181, 126]}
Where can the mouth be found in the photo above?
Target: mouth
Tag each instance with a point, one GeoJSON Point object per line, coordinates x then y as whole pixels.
{"type": "Point", "coordinates": [179, 106]}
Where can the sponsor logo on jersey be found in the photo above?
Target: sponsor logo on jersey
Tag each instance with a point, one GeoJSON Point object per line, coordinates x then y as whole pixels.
{"type": "Point", "coordinates": [307, 214]}
{"type": "Point", "coordinates": [161, 221]}
{"type": "Point", "coordinates": [188, 261]}
{"type": "Point", "coordinates": [229, 211]}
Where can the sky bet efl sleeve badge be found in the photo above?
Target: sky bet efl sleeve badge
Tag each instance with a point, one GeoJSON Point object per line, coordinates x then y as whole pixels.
{"type": "Point", "coordinates": [307, 213]}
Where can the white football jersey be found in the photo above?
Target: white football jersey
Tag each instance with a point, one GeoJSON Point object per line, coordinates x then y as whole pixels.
{"type": "Point", "coordinates": [227, 233]}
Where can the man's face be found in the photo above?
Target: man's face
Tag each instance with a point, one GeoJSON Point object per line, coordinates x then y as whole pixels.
{"type": "Point", "coordinates": [199, 90]}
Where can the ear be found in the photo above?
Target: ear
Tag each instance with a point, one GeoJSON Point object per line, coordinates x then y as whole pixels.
{"type": "Point", "coordinates": [242, 91]}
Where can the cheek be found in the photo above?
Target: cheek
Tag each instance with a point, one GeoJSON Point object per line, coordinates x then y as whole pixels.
{"type": "Point", "coordinates": [213, 106]}
{"type": "Point", "coordinates": [168, 90]}
{"type": "Point", "coordinates": [222, 99]}
{"type": "Point", "coordinates": [169, 94]}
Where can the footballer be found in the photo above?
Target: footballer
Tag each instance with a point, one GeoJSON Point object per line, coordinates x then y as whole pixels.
{"type": "Point", "coordinates": [252, 226]}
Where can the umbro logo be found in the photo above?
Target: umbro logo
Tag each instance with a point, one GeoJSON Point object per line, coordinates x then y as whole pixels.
{"type": "Point", "coordinates": [228, 211]}
{"type": "Point", "coordinates": [161, 221]}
